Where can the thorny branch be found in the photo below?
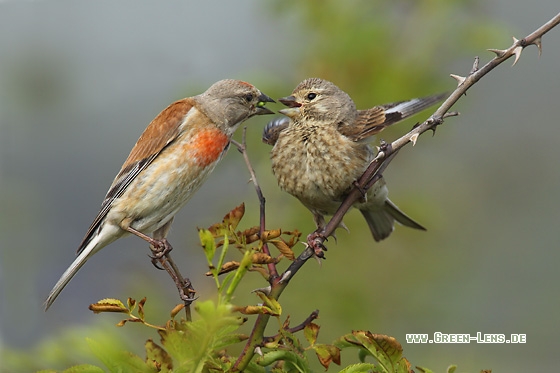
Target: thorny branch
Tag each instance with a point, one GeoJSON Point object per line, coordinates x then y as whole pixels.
{"type": "Point", "coordinates": [373, 172]}
{"type": "Point", "coordinates": [371, 175]}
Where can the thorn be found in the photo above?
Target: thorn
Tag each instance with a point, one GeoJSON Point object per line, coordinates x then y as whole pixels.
{"type": "Point", "coordinates": [413, 139]}
{"type": "Point", "coordinates": [285, 277]}
{"type": "Point", "coordinates": [451, 114]}
{"type": "Point", "coordinates": [460, 79]}
{"type": "Point", "coordinates": [258, 351]}
{"type": "Point", "coordinates": [499, 52]}
{"type": "Point", "coordinates": [538, 43]}
{"type": "Point", "coordinates": [475, 65]}
{"type": "Point", "coordinates": [265, 290]}
{"type": "Point", "coordinates": [433, 130]}
{"type": "Point", "coordinates": [517, 51]}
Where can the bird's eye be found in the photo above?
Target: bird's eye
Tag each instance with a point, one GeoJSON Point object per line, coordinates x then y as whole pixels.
{"type": "Point", "coordinates": [249, 97]}
{"type": "Point", "coordinates": [311, 96]}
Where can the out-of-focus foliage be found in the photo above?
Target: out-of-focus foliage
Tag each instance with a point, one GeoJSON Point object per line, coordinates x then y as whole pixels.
{"type": "Point", "coordinates": [386, 49]}
{"type": "Point", "coordinates": [202, 345]}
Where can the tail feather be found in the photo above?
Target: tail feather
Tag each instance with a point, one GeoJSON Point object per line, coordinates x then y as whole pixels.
{"type": "Point", "coordinates": [92, 247]}
{"type": "Point", "coordinates": [381, 221]}
{"type": "Point", "coordinates": [400, 216]}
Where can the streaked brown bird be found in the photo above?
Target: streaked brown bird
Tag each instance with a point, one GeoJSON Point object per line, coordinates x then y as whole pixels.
{"type": "Point", "coordinates": [170, 161]}
{"type": "Point", "coordinates": [321, 148]}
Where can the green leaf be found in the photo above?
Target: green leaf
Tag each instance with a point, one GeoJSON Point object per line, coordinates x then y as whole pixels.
{"type": "Point", "coordinates": [119, 361]}
{"type": "Point", "coordinates": [311, 331]}
{"type": "Point", "coordinates": [158, 356]}
{"type": "Point", "coordinates": [208, 244]}
{"type": "Point", "coordinates": [84, 368]}
{"type": "Point", "coordinates": [294, 359]}
{"type": "Point", "coordinates": [327, 354]}
{"type": "Point", "coordinates": [244, 266]}
{"type": "Point", "coordinates": [360, 368]}
{"type": "Point", "coordinates": [386, 350]}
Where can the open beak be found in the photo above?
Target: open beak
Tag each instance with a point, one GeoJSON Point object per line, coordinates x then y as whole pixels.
{"type": "Point", "coordinates": [289, 101]}
{"type": "Point", "coordinates": [261, 109]}
{"type": "Point", "coordinates": [293, 106]}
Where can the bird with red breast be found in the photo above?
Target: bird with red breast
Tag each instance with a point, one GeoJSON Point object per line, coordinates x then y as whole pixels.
{"type": "Point", "coordinates": [170, 161]}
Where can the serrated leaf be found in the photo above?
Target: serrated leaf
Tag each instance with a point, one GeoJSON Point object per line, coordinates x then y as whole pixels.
{"type": "Point", "coordinates": [250, 235]}
{"type": "Point", "coordinates": [386, 350]}
{"type": "Point", "coordinates": [121, 323]}
{"type": "Point", "coordinates": [262, 258]}
{"type": "Point", "coordinates": [84, 368]}
{"type": "Point", "coordinates": [230, 339]}
{"type": "Point", "coordinates": [271, 234]}
{"type": "Point", "coordinates": [226, 268]}
{"type": "Point", "coordinates": [118, 361]}
{"type": "Point", "coordinates": [271, 303]}
{"type": "Point", "coordinates": [234, 216]}
{"type": "Point", "coordinates": [296, 360]}
{"type": "Point", "coordinates": [131, 303]}
{"type": "Point", "coordinates": [360, 368]}
{"type": "Point", "coordinates": [327, 354]}
{"type": "Point", "coordinates": [256, 310]}
{"type": "Point", "coordinates": [157, 355]}
{"type": "Point", "coordinates": [311, 331]}
{"type": "Point", "coordinates": [141, 308]}
{"type": "Point", "coordinates": [177, 345]}
{"type": "Point", "coordinates": [108, 305]}
{"type": "Point", "coordinates": [424, 370]}
{"type": "Point", "coordinates": [283, 248]}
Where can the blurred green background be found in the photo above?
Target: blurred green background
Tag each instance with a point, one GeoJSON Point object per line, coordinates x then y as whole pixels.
{"type": "Point", "coordinates": [79, 81]}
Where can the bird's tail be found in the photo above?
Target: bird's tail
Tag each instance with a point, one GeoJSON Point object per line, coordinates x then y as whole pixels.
{"type": "Point", "coordinates": [381, 221]}
{"type": "Point", "coordinates": [92, 247]}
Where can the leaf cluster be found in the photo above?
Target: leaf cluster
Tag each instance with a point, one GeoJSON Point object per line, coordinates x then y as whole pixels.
{"type": "Point", "coordinates": [204, 344]}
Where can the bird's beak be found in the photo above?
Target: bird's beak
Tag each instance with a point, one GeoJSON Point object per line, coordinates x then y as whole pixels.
{"type": "Point", "coordinates": [261, 109]}
{"type": "Point", "coordinates": [289, 101]}
{"type": "Point", "coordinates": [292, 104]}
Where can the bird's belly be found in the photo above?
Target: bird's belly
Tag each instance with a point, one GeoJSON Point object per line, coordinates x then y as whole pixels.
{"type": "Point", "coordinates": [316, 173]}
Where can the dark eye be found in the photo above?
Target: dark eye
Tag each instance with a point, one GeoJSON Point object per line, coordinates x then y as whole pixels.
{"type": "Point", "coordinates": [311, 96]}
{"type": "Point", "coordinates": [249, 97]}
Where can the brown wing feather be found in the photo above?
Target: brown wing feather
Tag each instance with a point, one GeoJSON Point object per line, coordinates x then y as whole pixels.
{"type": "Point", "coordinates": [372, 121]}
{"type": "Point", "coordinates": [368, 121]}
{"type": "Point", "coordinates": [159, 133]}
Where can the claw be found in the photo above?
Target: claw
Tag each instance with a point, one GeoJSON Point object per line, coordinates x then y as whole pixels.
{"type": "Point", "coordinates": [159, 248]}
{"type": "Point", "coordinates": [315, 241]}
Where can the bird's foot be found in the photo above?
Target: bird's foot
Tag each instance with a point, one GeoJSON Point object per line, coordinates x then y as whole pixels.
{"type": "Point", "coordinates": [187, 292]}
{"type": "Point", "coordinates": [159, 248]}
{"type": "Point", "coordinates": [315, 241]}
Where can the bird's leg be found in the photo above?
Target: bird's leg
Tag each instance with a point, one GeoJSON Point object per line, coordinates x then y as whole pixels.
{"type": "Point", "coordinates": [362, 191]}
{"type": "Point", "coordinates": [161, 259]}
{"type": "Point", "coordinates": [159, 247]}
{"type": "Point", "coordinates": [184, 285]}
{"type": "Point", "coordinates": [315, 240]}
